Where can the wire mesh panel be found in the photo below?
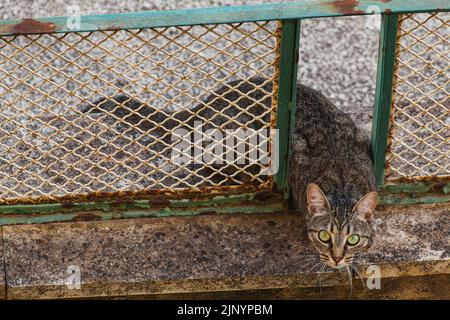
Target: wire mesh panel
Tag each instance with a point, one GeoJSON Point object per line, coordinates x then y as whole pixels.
{"type": "Point", "coordinates": [419, 141]}
{"type": "Point", "coordinates": [89, 114]}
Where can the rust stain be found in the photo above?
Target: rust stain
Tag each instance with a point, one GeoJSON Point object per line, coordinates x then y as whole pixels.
{"type": "Point", "coordinates": [263, 196]}
{"type": "Point", "coordinates": [86, 216]}
{"type": "Point", "coordinates": [155, 196]}
{"type": "Point", "coordinates": [346, 7]}
{"type": "Point", "coordinates": [29, 26]}
{"type": "Point", "coordinates": [111, 27]}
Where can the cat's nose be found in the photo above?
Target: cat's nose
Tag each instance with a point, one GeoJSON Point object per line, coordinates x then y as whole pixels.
{"type": "Point", "coordinates": [336, 259]}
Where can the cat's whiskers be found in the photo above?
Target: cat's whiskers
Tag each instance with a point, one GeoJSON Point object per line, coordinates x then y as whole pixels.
{"type": "Point", "coordinates": [349, 273]}
{"type": "Point", "coordinates": [355, 268]}
{"type": "Point", "coordinates": [348, 260]}
{"type": "Point", "coordinates": [318, 278]}
{"type": "Point", "coordinates": [308, 263]}
{"type": "Point", "coordinates": [309, 272]}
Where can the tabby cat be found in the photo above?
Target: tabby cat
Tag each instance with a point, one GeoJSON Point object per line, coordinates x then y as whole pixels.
{"type": "Point", "coordinates": [332, 179]}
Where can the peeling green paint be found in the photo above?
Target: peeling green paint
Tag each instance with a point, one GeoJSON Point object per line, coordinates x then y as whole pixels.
{"type": "Point", "coordinates": [446, 189]}
{"type": "Point", "coordinates": [411, 199]}
{"type": "Point", "coordinates": [418, 187]}
{"type": "Point", "coordinates": [107, 206]}
{"type": "Point", "coordinates": [241, 203]}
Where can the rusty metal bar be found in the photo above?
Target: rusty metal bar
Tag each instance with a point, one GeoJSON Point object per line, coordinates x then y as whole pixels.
{"type": "Point", "coordinates": [232, 14]}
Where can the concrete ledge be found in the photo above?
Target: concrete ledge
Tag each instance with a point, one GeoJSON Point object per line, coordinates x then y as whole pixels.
{"type": "Point", "coordinates": [214, 253]}
{"type": "Point", "coordinates": [422, 287]}
{"type": "Point", "coordinates": [2, 269]}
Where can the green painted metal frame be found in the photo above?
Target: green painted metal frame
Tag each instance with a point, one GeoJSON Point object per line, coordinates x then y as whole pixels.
{"type": "Point", "coordinates": [287, 99]}
{"type": "Point", "coordinates": [384, 93]}
{"type": "Point", "coordinates": [243, 203]}
{"type": "Point", "coordinates": [398, 193]}
{"type": "Point", "coordinates": [290, 14]}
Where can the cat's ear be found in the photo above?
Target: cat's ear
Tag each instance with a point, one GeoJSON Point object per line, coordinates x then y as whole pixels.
{"type": "Point", "coordinates": [317, 201]}
{"type": "Point", "coordinates": [366, 206]}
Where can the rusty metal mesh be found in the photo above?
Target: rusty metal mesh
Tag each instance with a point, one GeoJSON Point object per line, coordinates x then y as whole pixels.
{"type": "Point", "coordinates": [51, 148]}
{"type": "Point", "coordinates": [419, 145]}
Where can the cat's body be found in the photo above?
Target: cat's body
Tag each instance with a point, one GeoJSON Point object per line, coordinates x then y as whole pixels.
{"type": "Point", "coordinates": [331, 178]}
{"type": "Point", "coordinates": [330, 172]}
{"type": "Point", "coordinates": [132, 112]}
{"type": "Point", "coordinates": [329, 150]}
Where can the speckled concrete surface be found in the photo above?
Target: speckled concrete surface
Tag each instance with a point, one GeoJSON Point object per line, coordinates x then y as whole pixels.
{"type": "Point", "coordinates": [419, 231]}
{"type": "Point", "coordinates": [436, 287]}
{"type": "Point", "coordinates": [146, 250]}
{"type": "Point", "coordinates": [2, 268]}
{"type": "Point", "coordinates": [206, 253]}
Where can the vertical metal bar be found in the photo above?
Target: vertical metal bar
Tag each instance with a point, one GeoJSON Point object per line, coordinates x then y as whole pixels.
{"type": "Point", "coordinates": [383, 95]}
{"type": "Point", "coordinates": [287, 83]}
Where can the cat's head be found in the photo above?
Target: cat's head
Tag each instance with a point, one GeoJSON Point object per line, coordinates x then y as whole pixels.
{"type": "Point", "coordinates": [339, 235]}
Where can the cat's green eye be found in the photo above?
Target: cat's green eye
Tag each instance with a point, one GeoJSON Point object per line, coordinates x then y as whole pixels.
{"type": "Point", "coordinates": [353, 239]}
{"type": "Point", "coordinates": [324, 236]}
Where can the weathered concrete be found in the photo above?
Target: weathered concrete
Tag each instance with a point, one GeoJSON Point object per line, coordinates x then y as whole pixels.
{"type": "Point", "coordinates": [436, 287]}
{"type": "Point", "coordinates": [410, 238]}
{"type": "Point", "coordinates": [2, 268]}
{"type": "Point", "coordinates": [208, 253]}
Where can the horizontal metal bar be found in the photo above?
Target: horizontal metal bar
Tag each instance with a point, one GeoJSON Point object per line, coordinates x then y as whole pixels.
{"type": "Point", "coordinates": [233, 14]}
{"type": "Point", "coordinates": [12, 214]}
{"type": "Point", "coordinates": [107, 206]}
{"type": "Point", "coordinates": [418, 187]}
{"type": "Point", "coordinates": [411, 199]}
{"type": "Point", "coordinates": [135, 212]}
